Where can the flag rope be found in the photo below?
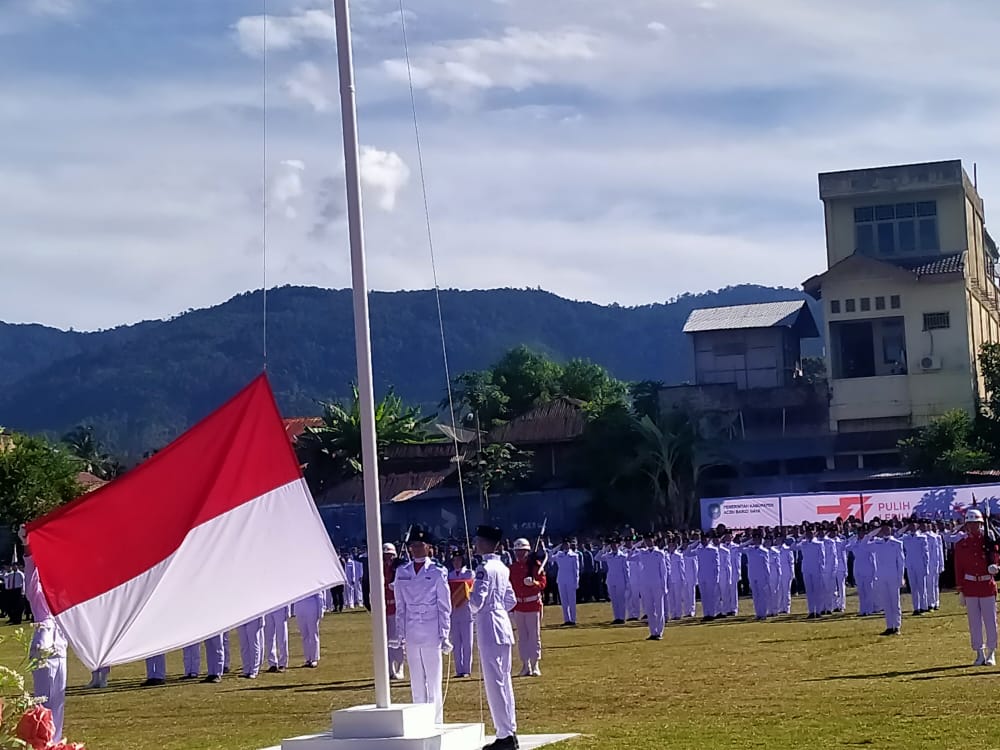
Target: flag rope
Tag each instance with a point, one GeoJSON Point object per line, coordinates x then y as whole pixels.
{"type": "Point", "coordinates": [437, 300]}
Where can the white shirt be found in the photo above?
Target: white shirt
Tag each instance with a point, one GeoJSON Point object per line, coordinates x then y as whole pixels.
{"type": "Point", "coordinates": [569, 568]}
{"type": "Point", "coordinates": [423, 603]}
{"type": "Point", "coordinates": [491, 599]}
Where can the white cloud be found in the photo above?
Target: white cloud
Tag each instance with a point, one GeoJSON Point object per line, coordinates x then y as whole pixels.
{"type": "Point", "coordinates": [657, 27]}
{"type": "Point", "coordinates": [284, 32]}
{"type": "Point", "coordinates": [308, 83]}
{"type": "Point", "coordinates": [385, 173]}
{"type": "Point", "coordinates": [286, 188]}
{"type": "Point", "coordinates": [54, 8]}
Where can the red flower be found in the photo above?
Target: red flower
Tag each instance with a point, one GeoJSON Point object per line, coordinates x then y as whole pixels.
{"type": "Point", "coordinates": [36, 727]}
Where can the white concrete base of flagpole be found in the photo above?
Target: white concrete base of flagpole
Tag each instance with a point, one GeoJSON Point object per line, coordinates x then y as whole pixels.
{"type": "Point", "coordinates": [399, 727]}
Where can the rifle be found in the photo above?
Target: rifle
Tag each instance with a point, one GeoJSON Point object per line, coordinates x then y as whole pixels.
{"type": "Point", "coordinates": [540, 555]}
{"type": "Point", "coordinates": [991, 538]}
{"type": "Point", "coordinates": [403, 557]}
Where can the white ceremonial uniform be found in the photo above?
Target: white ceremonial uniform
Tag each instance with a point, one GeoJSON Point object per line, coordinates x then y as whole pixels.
{"type": "Point", "coordinates": [276, 637]}
{"type": "Point", "coordinates": [813, 566]}
{"type": "Point", "coordinates": [653, 587]}
{"type": "Point", "coordinates": [423, 625]}
{"type": "Point", "coordinates": [461, 634]}
{"type": "Point", "coordinates": [709, 573]}
{"type": "Point", "coordinates": [774, 558]}
{"type": "Point", "coordinates": [890, 567]}
{"type": "Point", "coordinates": [308, 614]}
{"type": "Point", "coordinates": [829, 576]}
{"type": "Point", "coordinates": [568, 579]}
{"type": "Point", "coordinates": [634, 601]}
{"type": "Point", "coordinates": [251, 635]}
{"type": "Point", "coordinates": [917, 553]}
{"type": "Point", "coordinates": [759, 572]}
{"type": "Point", "coordinates": [617, 579]}
{"type": "Point", "coordinates": [676, 566]}
{"type": "Point", "coordinates": [351, 574]}
{"type": "Point", "coordinates": [491, 599]}
{"type": "Point", "coordinates": [937, 568]}
{"type": "Point", "coordinates": [786, 574]}
{"type": "Point", "coordinates": [864, 574]}
{"type": "Point", "coordinates": [689, 593]}
{"type": "Point", "coordinates": [49, 677]}
{"type": "Point", "coordinates": [840, 576]}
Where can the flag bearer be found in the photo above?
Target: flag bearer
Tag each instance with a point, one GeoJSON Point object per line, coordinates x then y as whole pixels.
{"type": "Point", "coordinates": [492, 598]}
{"type": "Point", "coordinates": [617, 579]}
{"type": "Point", "coordinates": [568, 578]}
{"type": "Point", "coordinates": [890, 569]}
{"type": "Point", "coordinates": [423, 620]}
{"type": "Point", "coordinates": [156, 671]}
{"type": "Point", "coordinates": [759, 572]}
{"type": "Point", "coordinates": [276, 639]}
{"type": "Point", "coordinates": [460, 580]}
{"type": "Point", "coordinates": [653, 585]}
{"type": "Point", "coordinates": [251, 635]}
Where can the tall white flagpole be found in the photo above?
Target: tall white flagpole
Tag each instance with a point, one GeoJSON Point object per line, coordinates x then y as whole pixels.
{"type": "Point", "coordinates": [363, 345]}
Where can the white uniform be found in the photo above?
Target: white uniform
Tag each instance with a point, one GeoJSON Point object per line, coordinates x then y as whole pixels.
{"type": "Point", "coordinates": [618, 581]}
{"type": "Point", "coordinates": [49, 676]}
{"type": "Point", "coordinates": [492, 598]}
{"type": "Point", "coordinates": [653, 587]}
{"type": "Point", "coordinates": [568, 578]}
{"type": "Point", "coordinates": [423, 624]}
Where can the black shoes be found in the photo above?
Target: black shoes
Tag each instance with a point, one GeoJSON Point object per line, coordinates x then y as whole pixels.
{"type": "Point", "coordinates": [154, 682]}
{"type": "Point", "coordinates": [617, 622]}
{"type": "Point", "coordinates": [212, 679]}
{"type": "Point", "coordinates": [890, 631]}
{"type": "Point", "coordinates": [507, 743]}
{"type": "Point", "coordinates": [655, 638]}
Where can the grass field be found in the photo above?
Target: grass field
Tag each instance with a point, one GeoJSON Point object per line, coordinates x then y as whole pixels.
{"type": "Point", "coordinates": [787, 683]}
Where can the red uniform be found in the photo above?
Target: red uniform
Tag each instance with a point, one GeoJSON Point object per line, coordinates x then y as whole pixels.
{"type": "Point", "coordinates": [971, 575]}
{"type": "Point", "coordinates": [390, 596]}
{"type": "Point", "coordinates": [529, 596]}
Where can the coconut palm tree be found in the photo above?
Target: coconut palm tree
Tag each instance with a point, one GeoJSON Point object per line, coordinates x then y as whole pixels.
{"type": "Point", "coordinates": [331, 453]}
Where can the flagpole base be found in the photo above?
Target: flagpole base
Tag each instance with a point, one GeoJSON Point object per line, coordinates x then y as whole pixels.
{"type": "Point", "coordinates": [398, 727]}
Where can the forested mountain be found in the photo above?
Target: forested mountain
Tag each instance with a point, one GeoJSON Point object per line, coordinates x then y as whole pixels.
{"type": "Point", "coordinates": [141, 385]}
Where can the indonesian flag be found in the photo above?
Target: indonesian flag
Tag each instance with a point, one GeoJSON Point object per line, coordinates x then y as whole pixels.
{"type": "Point", "coordinates": [214, 530]}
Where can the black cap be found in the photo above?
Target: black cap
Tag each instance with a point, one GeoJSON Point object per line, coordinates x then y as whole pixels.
{"type": "Point", "coordinates": [492, 533]}
{"type": "Point", "coordinates": [457, 553]}
{"type": "Point", "coordinates": [420, 535]}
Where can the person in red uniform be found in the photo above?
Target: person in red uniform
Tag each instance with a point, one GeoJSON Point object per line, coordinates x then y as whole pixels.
{"type": "Point", "coordinates": [397, 657]}
{"type": "Point", "coordinates": [978, 589]}
{"type": "Point", "coordinates": [527, 576]}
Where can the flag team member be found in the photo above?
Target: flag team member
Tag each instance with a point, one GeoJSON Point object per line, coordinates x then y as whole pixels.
{"type": "Point", "coordinates": [276, 639]}
{"type": "Point", "coordinates": [251, 634]}
{"type": "Point", "coordinates": [890, 570]}
{"type": "Point", "coordinates": [528, 579]}
{"type": "Point", "coordinates": [48, 641]}
{"type": "Point", "coordinates": [974, 581]}
{"type": "Point", "coordinates": [423, 620]}
{"type": "Point", "coordinates": [389, 564]}
{"type": "Point", "coordinates": [460, 580]}
{"type": "Point", "coordinates": [568, 578]}
{"type": "Point", "coordinates": [617, 579]}
{"type": "Point", "coordinates": [492, 598]}
{"type": "Point", "coordinates": [308, 614]}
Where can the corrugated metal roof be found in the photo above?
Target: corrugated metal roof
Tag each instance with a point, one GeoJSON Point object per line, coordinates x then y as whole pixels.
{"type": "Point", "coordinates": [954, 263]}
{"type": "Point", "coordinates": [761, 315]}
{"type": "Point", "coordinates": [556, 421]}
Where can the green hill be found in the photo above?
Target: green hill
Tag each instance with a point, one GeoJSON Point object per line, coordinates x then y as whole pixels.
{"type": "Point", "coordinates": [141, 385]}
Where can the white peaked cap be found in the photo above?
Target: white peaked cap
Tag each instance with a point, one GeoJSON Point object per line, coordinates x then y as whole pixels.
{"type": "Point", "coordinates": [973, 516]}
{"type": "Point", "coordinates": [522, 543]}
{"type": "Point", "coordinates": [388, 548]}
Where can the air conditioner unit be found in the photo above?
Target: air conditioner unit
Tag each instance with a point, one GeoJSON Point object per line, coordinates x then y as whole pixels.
{"type": "Point", "coordinates": [930, 362]}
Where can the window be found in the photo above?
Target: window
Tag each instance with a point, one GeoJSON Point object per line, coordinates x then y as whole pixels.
{"type": "Point", "coordinates": [894, 302]}
{"type": "Point", "coordinates": [880, 303]}
{"type": "Point", "coordinates": [900, 228]}
{"type": "Point", "coordinates": [894, 343]}
{"type": "Point", "coordinates": [849, 306]}
{"type": "Point", "coordinates": [866, 304]}
{"type": "Point", "coordinates": [834, 306]}
{"type": "Point", "coordinates": [936, 321]}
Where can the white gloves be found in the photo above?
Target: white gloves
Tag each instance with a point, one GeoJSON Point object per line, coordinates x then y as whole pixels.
{"type": "Point", "coordinates": [395, 643]}
{"type": "Point", "coordinates": [529, 581]}
{"type": "Point", "coordinates": [446, 647]}
{"type": "Point", "coordinates": [993, 569]}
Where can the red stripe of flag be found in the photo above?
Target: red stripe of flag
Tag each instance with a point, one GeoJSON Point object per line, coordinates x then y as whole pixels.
{"type": "Point", "coordinates": [120, 531]}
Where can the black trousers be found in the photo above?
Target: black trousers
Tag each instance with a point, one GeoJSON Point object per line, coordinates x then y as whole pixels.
{"type": "Point", "coordinates": [338, 598]}
{"type": "Point", "coordinates": [15, 606]}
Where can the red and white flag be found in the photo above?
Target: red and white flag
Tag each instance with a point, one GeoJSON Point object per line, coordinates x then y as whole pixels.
{"type": "Point", "coordinates": [214, 530]}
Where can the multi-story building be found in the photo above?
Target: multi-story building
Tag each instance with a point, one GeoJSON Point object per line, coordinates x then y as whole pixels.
{"type": "Point", "coordinates": [910, 295]}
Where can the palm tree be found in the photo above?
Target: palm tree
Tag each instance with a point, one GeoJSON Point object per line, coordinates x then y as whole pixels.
{"type": "Point", "coordinates": [331, 453]}
{"type": "Point", "coordinates": [82, 443]}
{"type": "Point", "coordinates": [672, 454]}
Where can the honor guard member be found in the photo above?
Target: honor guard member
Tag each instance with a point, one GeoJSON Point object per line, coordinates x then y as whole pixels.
{"type": "Point", "coordinates": [192, 662]}
{"type": "Point", "coordinates": [423, 620]}
{"type": "Point", "coordinates": [653, 585]}
{"type": "Point", "coordinates": [890, 572]}
{"type": "Point", "coordinates": [978, 589]}
{"type": "Point", "coordinates": [276, 639]}
{"type": "Point", "coordinates": [48, 645]}
{"type": "Point", "coordinates": [616, 562]}
{"type": "Point", "coordinates": [156, 671]}
{"type": "Point", "coordinates": [390, 561]}
{"type": "Point", "coordinates": [568, 577]}
{"type": "Point", "coordinates": [308, 614]}
{"type": "Point", "coordinates": [492, 598]}
{"type": "Point", "coordinates": [527, 577]}
{"type": "Point", "coordinates": [460, 580]}
{"type": "Point", "coordinates": [251, 635]}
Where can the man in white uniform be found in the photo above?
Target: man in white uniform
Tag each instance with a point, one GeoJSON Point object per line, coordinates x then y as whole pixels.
{"type": "Point", "coordinates": [568, 577]}
{"type": "Point", "coordinates": [423, 620]}
{"type": "Point", "coordinates": [492, 598]}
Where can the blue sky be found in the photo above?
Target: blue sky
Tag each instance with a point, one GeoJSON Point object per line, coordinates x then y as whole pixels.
{"type": "Point", "coordinates": [625, 151]}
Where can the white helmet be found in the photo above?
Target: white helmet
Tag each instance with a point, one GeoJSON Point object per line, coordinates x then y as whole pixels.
{"type": "Point", "coordinates": [522, 543]}
{"type": "Point", "coordinates": [973, 516]}
{"type": "Point", "coordinates": [388, 548]}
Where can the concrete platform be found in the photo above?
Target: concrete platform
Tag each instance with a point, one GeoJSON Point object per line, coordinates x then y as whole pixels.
{"type": "Point", "coordinates": [527, 741]}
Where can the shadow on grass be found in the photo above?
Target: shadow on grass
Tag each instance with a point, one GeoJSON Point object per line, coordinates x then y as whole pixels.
{"type": "Point", "coordinates": [596, 643]}
{"type": "Point", "coordinates": [893, 673]}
